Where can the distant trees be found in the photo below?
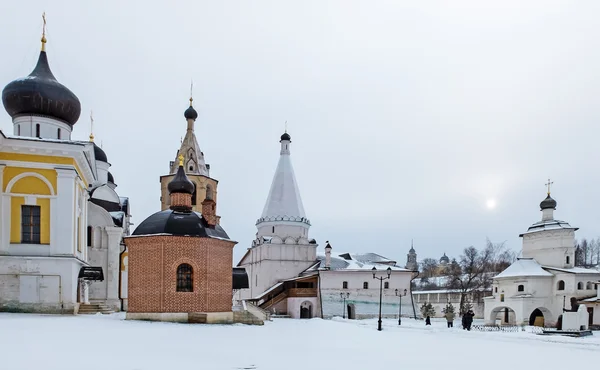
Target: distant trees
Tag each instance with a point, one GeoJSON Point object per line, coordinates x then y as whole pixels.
{"type": "Point", "coordinates": [475, 269]}
{"type": "Point", "coordinates": [587, 252]}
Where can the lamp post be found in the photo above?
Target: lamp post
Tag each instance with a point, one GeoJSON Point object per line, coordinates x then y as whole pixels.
{"type": "Point", "coordinates": [400, 308]}
{"type": "Point", "coordinates": [344, 296]}
{"type": "Point", "coordinates": [381, 279]}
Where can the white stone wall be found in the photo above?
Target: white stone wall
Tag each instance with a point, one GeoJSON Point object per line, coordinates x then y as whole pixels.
{"type": "Point", "coordinates": [267, 264]}
{"type": "Point", "coordinates": [39, 284]}
{"type": "Point", "coordinates": [551, 248]}
{"type": "Point", "coordinates": [365, 301]}
{"type": "Point", "coordinates": [294, 304]}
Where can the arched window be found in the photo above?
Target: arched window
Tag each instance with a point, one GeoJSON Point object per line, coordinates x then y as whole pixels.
{"type": "Point", "coordinates": [89, 236]}
{"type": "Point", "coordinates": [344, 285]}
{"type": "Point", "coordinates": [580, 285]}
{"type": "Point", "coordinates": [365, 285]}
{"type": "Point", "coordinates": [18, 130]}
{"type": "Point", "coordinates": [561, 285]}
{"type": "Point", "coordinates": [209, 193]}
{"type": "Point", "coordinates": [58, 133]}
{"type": "Point", "coordinates": [191, 168]}
{"type": "Point", "coordinates": [495, 289]}
{"type": "Point", "coordinates": [590, 285]}
{"type": "Point", "coordinates": [185, 278]}
{"type": "Point", "coordinates": [386, 285]}
{"type": "Point", "coordinates": [568, 260]}
{"type": "Point", "coordinates": [37, 130]}
{"type": "Point", "coordinates": [521, 288]}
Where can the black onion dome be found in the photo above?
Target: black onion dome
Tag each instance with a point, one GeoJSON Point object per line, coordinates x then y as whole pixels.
{"type": "Point", "coordinates": [548, 203]}
{"type": "Point", "coordinates": [286, 136]}
{"type": "Point", "coordinates": [41, 94]}
{"type": "Point", "coordinates": [100, 154]}
{"type": "Point", "coordinates": [179, 223]}
{"type": "Point", "coordinates": [190, 113]}
{"type": "Point", "coordinates": [111, 178]}
{"type": "Point", "coordinates": [181, 183]}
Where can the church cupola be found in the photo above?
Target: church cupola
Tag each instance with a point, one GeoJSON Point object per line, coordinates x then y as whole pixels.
{"type": "Point", "coordinates": [39, 105]}
{"type": "Point", "coordinates": [285, 141]}
{"type": "Point", "coordinates": [181, 190]}
{"type": "Point", "coordinates": [190, 113]}
{"type": "Point", "coordinates": [328, 255]}
{"type": "Point", "coordinates": [548, 205]}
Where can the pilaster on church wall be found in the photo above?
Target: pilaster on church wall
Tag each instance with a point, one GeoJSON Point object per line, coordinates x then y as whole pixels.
{"type": "Point", "coordinates": [4, 215]}
{"type": "Point", "coordinates": [113, 255]}
{"type": "Point", "coordinates": [65, 212]}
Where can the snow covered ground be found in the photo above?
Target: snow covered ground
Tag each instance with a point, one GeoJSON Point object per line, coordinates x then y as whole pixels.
{"type": "Point", "coordinates": [108, 342]}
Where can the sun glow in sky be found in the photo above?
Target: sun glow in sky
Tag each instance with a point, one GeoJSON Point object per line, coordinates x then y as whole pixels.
{"type": "Point", "coordinates": [490, 203]}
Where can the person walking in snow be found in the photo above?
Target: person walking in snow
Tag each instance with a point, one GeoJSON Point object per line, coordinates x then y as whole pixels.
{"type": "Point", "coordinates": [450, 318]}
{"type": "Point", "coordinates": [428, 321]}
{"type": "Point", "coordinates": [468, 320]}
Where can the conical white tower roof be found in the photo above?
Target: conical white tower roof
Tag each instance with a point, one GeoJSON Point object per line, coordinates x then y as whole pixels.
{"type": "Point", "coordinates": [284, 202]}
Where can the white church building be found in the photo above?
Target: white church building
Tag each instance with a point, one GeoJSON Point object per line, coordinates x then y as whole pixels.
{"type": "Point", "coordinates": [286, 274]}
{"type": "Point", "coordinates": [536, 288]}
{"type": "Point", "coordinates": [61, 220]}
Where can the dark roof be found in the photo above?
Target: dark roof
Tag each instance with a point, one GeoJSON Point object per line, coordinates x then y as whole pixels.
{"type": "Point", "coordinates": [179, 223]}
{"type": "Point", "coordinates": [286, 136]}
{"type": "Point", "coordinates": [181, 183]}
{"type": "Point", "coordinates": [108, 206]}
{"type": "Point", "coordinates": [240, 278]}
{"type": "Point", "coordinates": [548, 203]}
{"type": "Point", "coordinates": [190, 113]}
{"type": "Point", "coordinates": [41, 94]}
{"type": "Point", "coordinates": [111, 178]}
{"type": "Point", "coordinates": [99, 154]}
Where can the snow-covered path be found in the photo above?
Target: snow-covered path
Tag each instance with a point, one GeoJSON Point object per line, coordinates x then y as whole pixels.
{"type": "Point", "coordinates": [110, 343]}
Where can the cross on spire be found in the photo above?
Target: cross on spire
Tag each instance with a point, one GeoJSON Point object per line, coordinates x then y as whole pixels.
{"type": "Point", "coordinates": [44, 32]}
{"type": "Point", "coordinates": [548, 184]}
{"type": "Point", "coordinates": [91, 126]}
{"type": "Point", "coordinates": [191, 92]}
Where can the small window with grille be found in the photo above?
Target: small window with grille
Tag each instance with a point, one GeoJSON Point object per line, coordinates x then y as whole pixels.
{"type": "Point", "coordinates": [185, 281]}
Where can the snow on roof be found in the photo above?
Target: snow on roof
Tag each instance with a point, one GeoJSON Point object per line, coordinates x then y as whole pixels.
{"type": "Point", "coordinates": [268, 290]}
{"type": "Point", "coordinates": [523, 267]}
{"type": "Point", "coordinates": [575, 270]}
{"type": "Point", "coordinates": [549, 225]}
{"type": "Point", "coordinates": [340, 263]}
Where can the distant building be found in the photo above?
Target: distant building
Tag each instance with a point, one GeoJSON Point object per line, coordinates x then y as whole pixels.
{"type": "Point", "coordinates": [536, 288]}
{"type": "Point", "coordinates": [411, 259]}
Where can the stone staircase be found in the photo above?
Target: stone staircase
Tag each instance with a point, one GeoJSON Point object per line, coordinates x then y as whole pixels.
{"type": "Point", "coordinates": [94, 308]}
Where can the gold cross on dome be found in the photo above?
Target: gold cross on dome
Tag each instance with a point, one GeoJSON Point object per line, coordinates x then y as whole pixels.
{"type": "Point", "coordinates": [180, 160]}
{"type": "Point", "coordinates": [548, 184]}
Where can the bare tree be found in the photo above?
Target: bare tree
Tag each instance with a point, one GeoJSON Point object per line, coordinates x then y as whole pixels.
{"type": "Point", "coordinates": [429, 267]}
{"type": "Point", "coordinates": [477, 269]}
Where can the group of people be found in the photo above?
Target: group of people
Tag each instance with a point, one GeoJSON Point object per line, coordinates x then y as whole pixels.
{"type": "Point", "coordinates": [467, 319]}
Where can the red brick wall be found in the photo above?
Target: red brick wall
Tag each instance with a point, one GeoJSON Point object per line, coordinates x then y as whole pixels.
{"type": "Point", "coordinates": [152, 280]}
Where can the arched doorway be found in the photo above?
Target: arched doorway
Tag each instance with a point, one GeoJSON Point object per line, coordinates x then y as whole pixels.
{"type": "Point", "coordinates": [503, 316]}
{"type": "Point", "coordinates": [306, 310]}
{"type": "Point", "coordinates": [351, 311]}
{"type": "Point", "coordinates": [539, 317]}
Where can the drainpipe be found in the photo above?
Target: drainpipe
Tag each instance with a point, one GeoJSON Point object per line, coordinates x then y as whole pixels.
{"type": "Point", "coordinates": [320, 295]}
{"type": "Point", "coordinates": [412, 299]}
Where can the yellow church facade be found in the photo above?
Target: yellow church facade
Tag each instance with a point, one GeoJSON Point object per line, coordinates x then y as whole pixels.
{"type": "Point", "coordinates": [61, 220]}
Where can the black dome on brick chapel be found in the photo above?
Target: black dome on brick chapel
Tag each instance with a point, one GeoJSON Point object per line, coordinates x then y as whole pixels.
{"type": "Point", "coordinates": [40, 94]}
{"type": "Point", "coordinates": [179, 223]}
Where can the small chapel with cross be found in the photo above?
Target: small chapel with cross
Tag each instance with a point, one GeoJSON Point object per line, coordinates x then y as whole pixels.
{"type": "Point", "coordinates": [541, 284]}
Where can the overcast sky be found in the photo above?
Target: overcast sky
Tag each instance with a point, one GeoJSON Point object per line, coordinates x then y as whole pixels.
{"type": "Point", "coordinates": [408, 119]}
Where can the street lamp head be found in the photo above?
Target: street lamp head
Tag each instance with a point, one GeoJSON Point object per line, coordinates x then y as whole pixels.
{"type": "Point", "coordinates": [389, 271]}
{"type": "Point", "coordinates": [404, 291]}
{"type": "Point", "coordinates": [374, 270]}
{"type": "Point", "coordinates": [397, 292]}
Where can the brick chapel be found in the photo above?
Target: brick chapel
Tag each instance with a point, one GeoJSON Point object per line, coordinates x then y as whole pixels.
{"type": "Point", "coordinates": [180, 260]}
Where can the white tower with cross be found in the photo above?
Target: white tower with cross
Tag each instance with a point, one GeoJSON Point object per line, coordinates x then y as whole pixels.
{"type": "Point", "coordinates": [550, 242]}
